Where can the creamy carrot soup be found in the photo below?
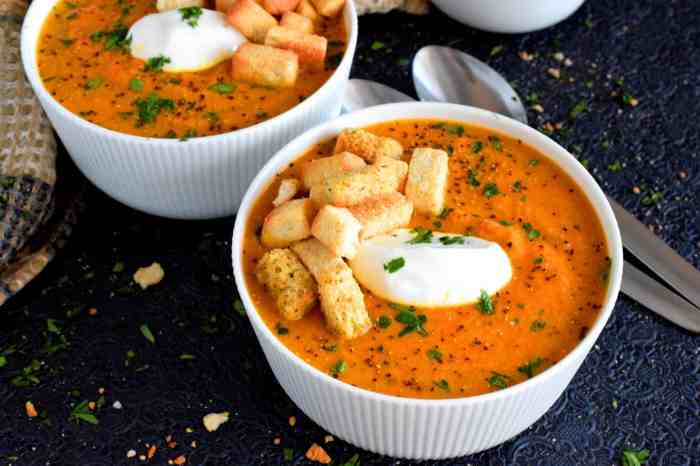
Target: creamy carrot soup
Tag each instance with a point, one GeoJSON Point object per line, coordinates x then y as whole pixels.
{"type": "Point", "coordinates": [85, 63]}
{"type": "Point", "coordinates": [498, 189]}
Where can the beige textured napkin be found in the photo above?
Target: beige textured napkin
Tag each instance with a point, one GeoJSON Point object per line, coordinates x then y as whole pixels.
{"type": "Point", "coordinates": [416, 7]}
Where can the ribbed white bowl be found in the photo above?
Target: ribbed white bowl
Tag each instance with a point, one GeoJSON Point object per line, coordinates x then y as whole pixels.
{"type": "Point", "coordinates": [200, 178]}
{"type": "Point", "coordinates": [414, 428]}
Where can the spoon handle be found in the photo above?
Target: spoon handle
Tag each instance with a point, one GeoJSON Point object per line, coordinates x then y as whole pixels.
{"type": "Point", "coordinates": [656, 255]}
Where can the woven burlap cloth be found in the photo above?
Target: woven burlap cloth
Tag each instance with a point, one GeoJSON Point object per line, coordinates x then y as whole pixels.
{"type": "Point", "coordinates": [36, 216]}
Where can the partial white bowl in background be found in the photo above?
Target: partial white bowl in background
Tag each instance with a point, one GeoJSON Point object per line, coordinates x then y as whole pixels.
{"type": "Point", "coordinates": [200, 178]}
{"type": "Point", "coordinates": [418, 428]}
{"type": "Point", "coordinates": [509, 16]}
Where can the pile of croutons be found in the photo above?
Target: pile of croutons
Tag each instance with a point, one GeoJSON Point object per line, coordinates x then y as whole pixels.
{"type": "Point", "coordinates": [364, 190]}
{"type": "Point", "coordinates": [281, 35]}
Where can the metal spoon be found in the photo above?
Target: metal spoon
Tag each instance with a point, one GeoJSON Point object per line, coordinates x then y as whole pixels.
{"type": "Point", "coordinates": [635, 284]}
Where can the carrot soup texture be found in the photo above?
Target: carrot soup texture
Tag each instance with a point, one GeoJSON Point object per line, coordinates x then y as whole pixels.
{"type": "Point", "coordinates": [85, 64]}
{"type": "Point", "coordinates": [499, 189]}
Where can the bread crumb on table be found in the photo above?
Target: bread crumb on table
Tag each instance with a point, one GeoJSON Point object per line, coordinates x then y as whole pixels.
{"type": "Point", "coordinates": [149, 276]}
{"type": "Point", "coordinates": [213, 421]}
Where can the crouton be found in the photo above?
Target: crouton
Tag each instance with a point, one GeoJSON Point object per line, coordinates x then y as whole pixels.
{"type": "Point", "coordinates": [367, 145]}
{"type": "Point", "coordinates": [279, 7]}
{"type": "Point", "coordinates": [224, 6]}
{"type": "Point", "coordinates": [338, 230]}
{"type": "Point", "coordinates": [287, 190]}
{"type": "Point", "coordinates": [315, 171]}
{"type": "Point", "coordinates": [251, 20]}
{"type": "Point", "coordinates": [149, 276]}
{"type": "Point", "coordinates": [297, 22]}
{"type": "Point", "coordinates": [288, 223]}
{"type": "Point", "coordinates": [166, 5]}
{"type": "Point", "coordinates": [342, 301]}
{"type": "Point", "coordinates": [265, 66]}
{"type": "Point", "coordinates": [329, 8]}
{"type": "Point", "coordinates": [351, 188]}
{"type": "Point", "coordinates": [305, 8]}
{"type": "Point", "coordinates": [310, 48]}
{"type": "Point", "coordinates": [427, 180]}
{"type": "Point", "coordinates": [382, 214]}
{"type": "Point", "coordinates": [291, 285]}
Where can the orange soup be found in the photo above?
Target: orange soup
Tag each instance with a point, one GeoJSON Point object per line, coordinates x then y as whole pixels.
{"type": "Point", "coordinates": [84, 61]}
{"type": "Point", "coordinates": [499, 189]}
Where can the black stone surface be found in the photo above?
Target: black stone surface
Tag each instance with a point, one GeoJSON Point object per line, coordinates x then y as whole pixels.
{"type": "Point", "coordinates": [640, 387]}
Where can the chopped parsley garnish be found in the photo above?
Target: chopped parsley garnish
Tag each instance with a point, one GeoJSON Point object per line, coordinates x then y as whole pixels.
{"type": "Point", "coordinates": [421, 235]}
{"type": "Point", "coordinates": [395, 265]}
{"type": "Point", "coordinates": [94, 83]}
{"type": "Point", "coordinates": [67, 42]}
{"type": "Point", "coordinates": [517, 186]}
{"type": "Point", "coordinates": [634, 457]}
{"type": "Point", "coordinates": [533, 162]}
{"type": "Point", "coordinates": [116, 38]}
{"type": "Point", "coordinates": [652, 199]}
{"type": "Point", "coordinates": [150, 107]}
{"type": "Point", "coordinates": [353, 461]}
{"type": "Point", "coordinates": [615, 167]}
{"type": "Point", "coordinates": [496, 143]}
{"type": "Point", "coordinates": [530, 368]}
{"type": "Point", "coordinates": [281, 329]}
{"type": "Point", "coordinates": [333, 61]}
{"type": "Point", "coordinates": [412, 322]}
{"type": "Point", "coordinates": [28, 375]}
{"type": "Point", "coordinates": [450, 240]}
{"type": "Point", "coordinates": [499, 381]}
{"type": "Point", "coordinates": [457, 130]}
{"type": "Point", "coordinates": [531, 232]}
{"type": "Point", "coordinates": [477, 146]}
{"type": "Point", "coordinates": [384, 321]}
{"type": "Point", "coordinates": [491, 190]}
{"type": "Point", "coordinates": [156, 64]}
{"type": "Point", "coordinates": [505, 223]}
{"type": "Point", "coordinates": [213, 117]}
{"type": "Point", "coordinates": [442, 384]}
{"type": "Point", "coordinates": [288, 454]}
{"type": "Point", "coordinates": [435, 354]}
{"type": "Point", "coordinates": [81, 412]}
{"type": "Point", "coordinates": [338, 368]}
{"type": "Point", "coordinates": [191, 15]}
{"type": "Point", "coordinates": [376, 45]}
{"type": "Point", "coordinates": [186, 357]}
{"type": "Point", "coordinates": [438, 125]}
{"type": "Point", "coordinates": [485, 304]}
{"type": "Point", "coordinates": [445, 213]}
{"type": "Point", "coordinates": [190, 133]}
{"type": "Point", "coordinates": [537, 325]}
{"type": "Point", "coordinates": [136, 85]}
{"type": "Point", "coordinates": [473, 178]}
{"type": "Point", "coordinates": [147, 334]}
{"type": "Point", "coordinates": [538, 260]}
{"type": "Point", "coordinates": [578, 109]}
{"type": "Point", "coordinates": [330, 347]}
{"type": "Point", "coordinates": [223, 88]}
{"type": "Point", "coordinates": [238, 307]}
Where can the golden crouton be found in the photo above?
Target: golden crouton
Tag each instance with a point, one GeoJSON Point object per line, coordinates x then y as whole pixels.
{"type": "Point", "coordinates": [385, 176]}
{"type": "Point", "coordinates": [287, 190]}
{"type": "Point", "coordinates": [338, 230]}
{"type": "Point", "coordinates": [427, 180]}
{"type": "Point", "coordinates": [315, 171]}
{"type": "Point", "coordinates": [224, 5]}
{"type": "Point", "coordinates": [251, 20]}
{"type": "Point", "coordinates": [329, 7]}
{"type": "Point", "coordinates": [287, 223]}
{"type": "Point", "coordinates": [310, 48]}
{"type": "Point", "coordinates": [149, 276]}
{"type": "Point", "coordinates": [297, 22]}
{"type": "Point", "coordinates": [288, 281]}
{"type": "Point", "coordinates": [278, 7]}
{"type": "Point", "coordinates": [264, 66]}
{"type": "Point", "coordinates": [305, 8]}
{"type": "Point", "coordinates": [165, 5]}
{"type": "Point", "coordinates": [342, 301]}
{"type": "Point", "coordinates": [367, 145]}
{"type": "Point", "coordinates": [382, 214]}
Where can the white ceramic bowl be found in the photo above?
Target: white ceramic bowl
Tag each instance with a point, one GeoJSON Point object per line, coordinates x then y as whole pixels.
{"type": "Point", "coordinates": [418, 428]}
{"type": "Point", "coordinates": [201, 178]}
{"type": "Point", "coordinates": [509, 16]}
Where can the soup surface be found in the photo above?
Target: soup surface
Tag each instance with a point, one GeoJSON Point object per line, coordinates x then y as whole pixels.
{"type": "Point", "coordinates": [87, 69]}
{"type": "Point", "coordinates": [501, 190]}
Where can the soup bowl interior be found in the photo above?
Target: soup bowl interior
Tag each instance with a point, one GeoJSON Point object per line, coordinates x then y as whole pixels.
{"type": "Point", "coordinates": [423, 428]}
{"type": "Point", "coordinates": [203, 177]}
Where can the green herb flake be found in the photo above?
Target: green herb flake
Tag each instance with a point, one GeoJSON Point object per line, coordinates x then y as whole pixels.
{"type": "Point", "coordinates": [412, 322]}
{"type": "Point", "coordinates": [3, 360]}
{"type": "Point", "coordinates": [136, 85]}
{"type": "Point", "coordinates": [377, 45]}
{"type": "Point", "coordinates": [156, 64]}
{"type": "Point", "coordinates": [27, 376]}
{"type": "Point", "coordinates": [531, 232]}
{"type": "Point", "coordinates": [499, 381]}
{"type": "Point", "coordinates": [456, 130]}
{"type": "Point", "coordinates": [338, 368]}
{"type": "Point", "coordinates": [438, 125]}
{"type": "Point", "coordinates": [473, 178]}
{"type": "Point", "coordinates": [445, 213]}
{"type": "Point", "coordinates": [52, 326]}
{"type": "Point", "coordinates": [496, 50]}
{"type": "Point", "coordinates": [451, 240]}
{"type": "Point", "coordinates": [238, 307]}
{"type": "Point", "coordinates": [150, 107]}
{"type": "Point", "coordinates": [634, 457]}
{"type": "Point", "coordinates": [538, 260]}
{"type": "Point", "coordinates": [223, 88]}
{"type": "Point", "coordinates": [496, 143]}
{"type": "Point", "coordinates": [578, 109]}
{"type": "Point", "coordinates": [615, 167]}
{"type": "Point", "coordinates": [652, 199]}
{"type": "Point", "coordinates": [533, 162]}
{"type": "Point", "coordinates": [421, 235]}
{"type": "Point", "coordinates": [353, 461]}
{"type": "Point", "coordinates": [186, 357]}
{"type": "Point", "coordinates": [394, 265]}
{"type": "Point", "coordinates": [147, 334]}
{"type": "Point", "coordinates": [491, 190]}
{"type": "Point", "coordinates": [330, 347]}
{"type": "Point", "coordinates": [530, 368]}
{"type": "Point", "coordinates": [81, 412]}
{"type": "Point", "coordinates": [67, 42]}
{"type": "Point", "coordinates": [485, 303]}
{"type": "Point", "coordinates": [505, 223]}
{"type": "Point", "coordinates": [94, 83]}
{"type": "Point", "coordinates": [384, 321]}
{"type": "Point", "coordinates": [116, 38]}
{"type": "Point", "coordinates": [537, 325]}
{"type": "Point", "coordinates": [442, 384]}
{"type": "Point", "coordinates": [435, 354]}
{"type": "Point", "coordinates": [118, 267]}
{"type": "Point", "coordinates": [281, 329]}
{"type": "Point", "coordinates": [288, 454]}
{"type": "Point", "coordinates": [517, 186]}
{"type": "Point", "coordinates": [191, 15]}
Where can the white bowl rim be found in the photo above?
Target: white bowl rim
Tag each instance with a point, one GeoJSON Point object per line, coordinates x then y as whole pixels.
{"type": "Point", "coordinates": [29, 63]}
{"type": "Point", "coordinates": [534, 138]}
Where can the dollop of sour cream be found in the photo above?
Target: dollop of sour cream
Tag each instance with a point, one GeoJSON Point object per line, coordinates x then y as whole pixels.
{"type": "Point", "coordinates": [189, 44]}
{"type": "Point", "coordinates": [431, 270]}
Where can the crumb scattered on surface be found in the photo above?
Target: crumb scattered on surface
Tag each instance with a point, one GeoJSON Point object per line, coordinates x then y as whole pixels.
{"type": "Point", "coordinates": [292, 420]}
{"type": "Point", "coordinates": [276, 441]}
{"type": "Point", "coordinates": [149, 276]}
{"type": "Point", "coordinates": [538, 108]}
{"type": "Point", "coordinates": [526, 56]}
{"type": "Point", "coordinates": [213, 421]}
{"type": "Point", "coordinates": [318, 454]}
{"type": "Point", "coordinates": [92, 311]}
{"type": "Point", "coordinates": [328, 439]}
{"type": "Point", "coordinates": [131, 453]}
{"type": "Point", "coordinates": [117, 405]}
{"type": "Point", "coordinates": [554, 72]}
{"type": "Point", "coordinates": [31, 410]}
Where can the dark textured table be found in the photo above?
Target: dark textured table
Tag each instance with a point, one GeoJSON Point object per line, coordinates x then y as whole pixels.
{"type": "Point", "coordinates": [640, 387]}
